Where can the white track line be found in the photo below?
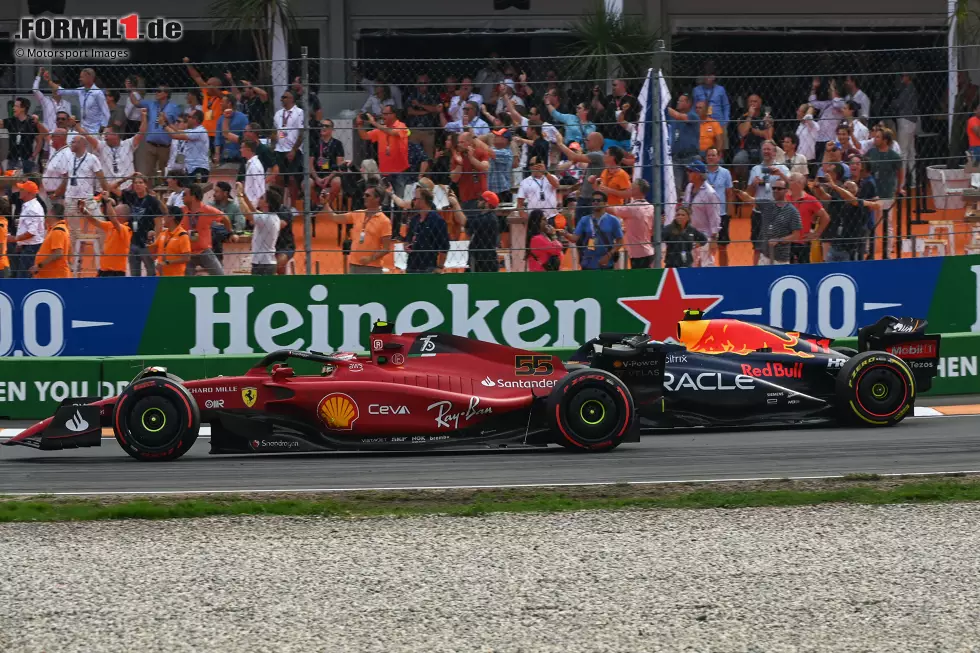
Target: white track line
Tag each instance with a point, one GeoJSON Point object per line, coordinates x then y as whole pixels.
{"type": "Point", "coordinates": [482, 487]}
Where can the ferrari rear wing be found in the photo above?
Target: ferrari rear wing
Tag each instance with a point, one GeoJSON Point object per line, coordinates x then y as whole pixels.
{"type": "Point", "coordinates": [907, 339]}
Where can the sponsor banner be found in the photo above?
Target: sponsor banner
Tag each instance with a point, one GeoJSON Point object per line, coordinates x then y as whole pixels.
{"type": "Point", "coordinates": [249, 315]}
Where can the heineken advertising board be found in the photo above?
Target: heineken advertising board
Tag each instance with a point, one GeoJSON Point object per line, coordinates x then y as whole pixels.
{"type": "Point", "coordinates": [248, 315]}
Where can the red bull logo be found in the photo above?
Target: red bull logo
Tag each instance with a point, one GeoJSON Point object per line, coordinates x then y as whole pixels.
{"type": "Point", "coordinates": [736, 337]}
{"type": "Point", "coordinates": [776, 370]}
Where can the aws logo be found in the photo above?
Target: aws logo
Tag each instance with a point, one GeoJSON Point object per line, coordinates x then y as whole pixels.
{"type": "Point", "coordinates": [338, 411]}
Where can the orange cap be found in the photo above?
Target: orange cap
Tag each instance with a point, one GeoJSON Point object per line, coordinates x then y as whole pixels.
{"type": "Point", "coordinates": [560, 221]}
{"type": "Point", "coordinates": [29, 186]}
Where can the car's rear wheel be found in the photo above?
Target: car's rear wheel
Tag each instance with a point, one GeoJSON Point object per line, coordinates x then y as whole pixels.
{"type": "Point", "coordinates": [875, 388]}
{"type": "Point", "coordinates": [591, 410]}
{"type": "Point", "coordinates": [156, 418]}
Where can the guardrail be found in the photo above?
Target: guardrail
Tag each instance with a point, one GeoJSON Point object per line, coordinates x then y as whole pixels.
{"type": "Point", "coordinates": [32, 388]}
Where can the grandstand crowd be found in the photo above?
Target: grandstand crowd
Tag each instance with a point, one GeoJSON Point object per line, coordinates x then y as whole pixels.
{"type": "Point", "coordinates": [530, 174]}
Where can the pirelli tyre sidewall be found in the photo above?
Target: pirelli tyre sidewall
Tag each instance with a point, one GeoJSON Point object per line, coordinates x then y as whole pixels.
{"type": "Point", "coordinates": [156, 419]}
{"type": "Point", "coordinates": [590, 410]}
{"type": "Point", "coordinates": [875, 388]}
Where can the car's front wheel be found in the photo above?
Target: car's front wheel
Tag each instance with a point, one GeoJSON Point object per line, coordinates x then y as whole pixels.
{"type": "Point", "coordinates": [156, 418]}
{"type": "Point", "coordinates": [591, 410]}
{"type": "Point", "coordinates": [875, 388]}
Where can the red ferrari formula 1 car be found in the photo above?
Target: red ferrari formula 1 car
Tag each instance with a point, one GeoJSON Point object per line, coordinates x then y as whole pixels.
{"type": "Point", "coordinates": [436, 390]}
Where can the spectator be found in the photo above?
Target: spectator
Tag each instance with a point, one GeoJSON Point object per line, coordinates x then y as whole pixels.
{"type": "Point", "coordinates": [506, 97]}
{"type": "Point", "coordinates": [813, 217]}
{"type": "Point", "coordinates": [30, 230]}
{"type": "Point", "coordinates": [286, 242]}
{"type": "Point", "coordinates": [223, 201]}
{"type": "Point", "coordinates": [760, 187]}
{"type": "Point", "coordinates": [91, 100]}
{"type": "Point", "coordinates": [133, 111]}
{"type": "Point", "coordinates": [211, 105]}
{"type": "Point", "coordinates": [614, 182]}
{"type": "Point", "coordinates": [423, 111]}
{"type": "Point", "coordinates": [845, 140]}
{"type": "Point", "coordinates": [543, 249]}
{"type": "Point", "coordinates": [964, 105]}
{"type": "Point", "coordinates": [637, 216]}
{"type": "Point", "coordinates": [502, 165]}
{"type": "Point", "coordinates": [806, 132]}
{"type": "Point", "coordinates": [721, 180]}
{"type": "Point", "coordinates": [253, 101]}
{"type": "Point", "coordinates": [370, 251]}
{"type": "Point", "coordinates": [55, 170]}
{"type": "Point", "coordinates": [25, 144]}
{"type": "Point", "coordinates": [470, 121]}
{"type": "Point", "coordinates": [289, 122]}
{"type": "Point", "coordinates": [489, 76]}
{"type": "Point", "coordinates": [780, 225]}
{"type": "Point", "coordinates": [715, 97]}
{"type": "Point", "coordinates": [377, 101]}
{"type": "Point", "coordinates": [868, 191]}
{"type": "Point", "coordinates": [538, 148]}
{"type": "Point", "coordinates": [831, 113]}
{"type": "Point", "coordinates": [83, 171]}
{"type": "Point", "coordinates": [712, 134]}
{"type": "Point", "coordinates": [196, 161]}
{"type": "Point", "coordinates": [392, 90]}
{"type": "Point", "coordinates": [705, 205]}
{"type": "Point", "coordinates": [471, 163]}
{"type": "Point", "coordinates": [859, 131]}
{"type": "Point", "coordinates": [117, 111]}
{"type": "Point", "coordinates": [144, 211]}
{"type": "Point", "coordinates": [578, 126]}
{"type": "Point", "coordinates": [5, 217]}
{"type": "Point", "coordinates": [868, 145]}
{"type": "Point", "coordinates": [598, 226]}
{"type": "Point", "coordinates": [427, 241]}
{"type": "Point", "coordinates": [889, 172]}
{"type": "Point", "coordinates": [906, 107]}
{"type": "Point", "coordinates": [255, 182]}
{"type": "Point", "coordinates": [116, 156]}
{"type": "Point", "coordinates": [310, 101]}
{"type": "Point", "coordinates": [680, 239]}
{"type": "Point", "coordinates": [538, 191]}
{"type": "Point", "coordinates": [484, 232]}
{"type": "Point", "coordinates": [463, 96]}
{"type": "Point", "coordinates": [265, 230]}
{"type": "Point", "coordinates": [607, 114]}
{"type": "Point", "coordinates": [118, 237]}
{"type": "Point", "coordinates": [845, 231]}
{"type": "Point", "coordinates": [51, 261]}
{"type": "Point", "coordinates": [594, 160]}
{"type": "Point", "coordinates": [685, 136]}
{"type": "Point", "coordinates": [175, 247]}
{"type": "Point", "coordinates": [856, 95]}
{"type": "Point", "coordinates": [226, 149]}
{"type": "Point", "coordinates": [391, 138]}
{"type": "Point", "coordinates": [973, 134]}
{"type": "Point", "coordinates": [176, 182]}
{"type": "Point", "coordinates": [177, 159]}
{"type": "Point", "coordinates": [153, 158]}
{"type": "Point", "coordinates": [795, 160]}
{"type": "Point", "coordinates": [193, 102]}
{"type": "Point", "coordinates": [752, 130]}
{"type": "Point", "coordinates": [50, 104]}
{"type": "Point", "coordinates": [266, 156]}
{"type": "Point", "coordinates": [200, 217]}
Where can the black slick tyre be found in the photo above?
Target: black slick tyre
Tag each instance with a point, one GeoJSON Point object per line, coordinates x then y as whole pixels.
{"type": "Point", "coordinates": [875, 388]}
{"type": "Point", "coordinates": [590, 410]}
{"type": "Point", "coordinates": [156, 419]}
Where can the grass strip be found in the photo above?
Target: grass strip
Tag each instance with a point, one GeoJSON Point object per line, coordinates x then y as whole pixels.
{"type": "Point", "coordinates": [863, 489]}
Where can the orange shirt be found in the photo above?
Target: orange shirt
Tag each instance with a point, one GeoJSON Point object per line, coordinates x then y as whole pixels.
{"type": "Point", "coordinates": [472, 182]}
{"type": "Point", "coordinates": [117, 241]}
{"type": "Point", "coordinates": [201, 224]}
{"type": "Point", "coordinates": [617, 179]}
{"type": "Point", "coordinates": [211, 106]}
{"type": "Point", "coordinates": [177, 243]}
{"type": "Point", "coordinates": [56, 238]}
{"type": "Point", "coordinates": [972, 124]}
{"type": "Point", "coordinates": [4, 261]}
{"type": "Point", "coordinates": [709, 131]}
{"type": "Point", "coordinates": [392, 148]}
{"type": "Point", "coordinates": [366, 236]}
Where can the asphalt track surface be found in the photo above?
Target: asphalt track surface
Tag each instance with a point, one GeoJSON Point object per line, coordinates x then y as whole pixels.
{"type": "Point", "coordinates": [918, 445]}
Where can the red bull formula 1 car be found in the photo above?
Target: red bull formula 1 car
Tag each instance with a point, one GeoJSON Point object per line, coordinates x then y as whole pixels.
{"type": "Point", "coordinates": [436, 390]}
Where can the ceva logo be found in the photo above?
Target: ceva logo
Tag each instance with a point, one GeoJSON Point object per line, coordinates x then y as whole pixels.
{"type": "Point", "coordinates": [488, 382]}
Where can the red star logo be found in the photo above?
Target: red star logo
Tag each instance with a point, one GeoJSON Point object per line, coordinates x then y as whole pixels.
{"type": "Point", "coordinates": [661, 312]}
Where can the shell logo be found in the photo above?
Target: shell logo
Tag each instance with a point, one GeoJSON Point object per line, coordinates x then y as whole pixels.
{"type": "Point", "coordinates": [338, 411]}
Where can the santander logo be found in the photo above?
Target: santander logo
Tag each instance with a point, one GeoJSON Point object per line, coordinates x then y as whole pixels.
{"type": "Point", "coordinates": [488, 382]}
{"type": "Point", "coordinates": [77, 423]}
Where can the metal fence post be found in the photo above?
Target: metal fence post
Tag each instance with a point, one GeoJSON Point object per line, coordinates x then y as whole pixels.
{"type": "Point", "coordinates": [658, 167]}
{"type": "Point", "coordinates": [305, 185]}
